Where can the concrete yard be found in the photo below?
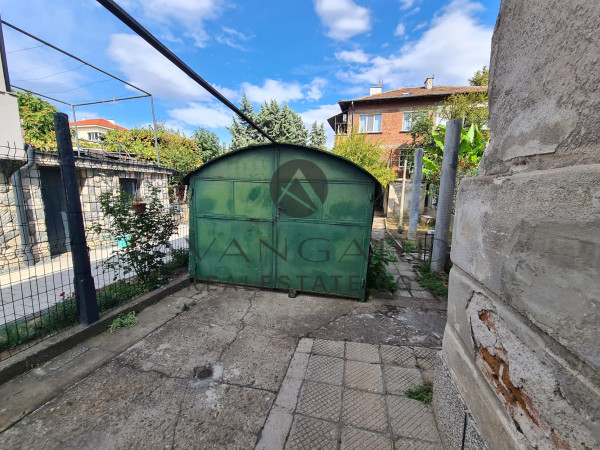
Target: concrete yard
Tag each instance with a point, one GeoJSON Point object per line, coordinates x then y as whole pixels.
{"type": "Point", "coordinates": [209, 377]}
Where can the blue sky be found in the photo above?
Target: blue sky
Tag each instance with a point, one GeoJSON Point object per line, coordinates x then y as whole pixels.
{"type": "Point", "coordinates": [308, 53]}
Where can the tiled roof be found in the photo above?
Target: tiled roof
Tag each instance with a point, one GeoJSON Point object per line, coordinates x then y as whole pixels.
{"type": "Point", "coordinates": [98, 122]}
{"type": "Point", "coordinates": [419, 92]}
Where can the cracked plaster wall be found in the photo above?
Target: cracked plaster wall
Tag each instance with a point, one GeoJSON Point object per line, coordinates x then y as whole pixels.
{"type": "Point", "coordinates": [521, 344]}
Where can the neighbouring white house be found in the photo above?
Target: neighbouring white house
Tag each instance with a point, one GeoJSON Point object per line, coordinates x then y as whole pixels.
{"type": "Point", "coordinates": [94, 129]}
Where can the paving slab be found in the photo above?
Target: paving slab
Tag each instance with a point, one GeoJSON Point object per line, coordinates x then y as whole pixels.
{"type": "Point", "coordinates": [242, 368]}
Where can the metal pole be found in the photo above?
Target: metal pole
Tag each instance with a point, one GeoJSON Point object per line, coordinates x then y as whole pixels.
{"type": "Point", "coordinates": [83, 280]}
{"type": "Point", "coordinates": [3, 60]}
{"type": "Point", "coordinates": [155, 133]}
{"type": "Point", "coordinates": [402, 197]}
{"type": "Point", "coordinates": [76, 132]}
{"type": "Point", "coordinates": [446, 196]}
{"type": "Point", "coordinates": [415, 197]}
{"type": "Point", "coordinates": [137, 28]}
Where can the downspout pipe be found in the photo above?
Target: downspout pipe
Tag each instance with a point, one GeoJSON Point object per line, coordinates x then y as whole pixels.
{"type": "Point", "coordinates": [22, 219]}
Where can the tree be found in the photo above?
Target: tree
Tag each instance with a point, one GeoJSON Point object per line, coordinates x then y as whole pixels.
{"type": "Point", "coordinates": [176, 151]}
{"type": "Point", "coordinates": [282, 124]}
{"type": "Point", "coordinates": [208, 144]}
{"type": "Point", "coordinates": [38, 121]}
{"type": "Point", "coordinates": [480, 78]}
{"type": "Point", "coordinates": [366, 153]}
{"type": "Point", "coordinates": [316, 137]}
{"type": "Point", "coordinates": [472, 107]}
{"type": "Point", "coordinates": [242, 134]}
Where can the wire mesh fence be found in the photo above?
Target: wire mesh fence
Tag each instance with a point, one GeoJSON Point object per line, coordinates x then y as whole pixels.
{"type": "Point", "coordinates": [136, 233]}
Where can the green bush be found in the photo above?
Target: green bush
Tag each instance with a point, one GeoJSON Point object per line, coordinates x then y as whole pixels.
{"type": "Point", "coordinates": [377, 275]}
{"type": "Point", "coordinates": [148, 234]}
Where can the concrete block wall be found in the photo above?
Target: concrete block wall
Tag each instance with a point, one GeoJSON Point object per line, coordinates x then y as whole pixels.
{"type": "Point", "coordinates": [521, 349]}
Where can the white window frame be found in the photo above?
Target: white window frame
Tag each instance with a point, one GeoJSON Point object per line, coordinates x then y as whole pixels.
{"type": "Point", "coordinates": [410, 115]}
{"type": "Point", "coordinates": [91, 136]}
{"type": "Point", "coordinates": [367, 121]}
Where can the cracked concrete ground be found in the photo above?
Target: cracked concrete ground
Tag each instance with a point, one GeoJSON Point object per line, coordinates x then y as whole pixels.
{"type": "Point", "coordinates": [204, 378]}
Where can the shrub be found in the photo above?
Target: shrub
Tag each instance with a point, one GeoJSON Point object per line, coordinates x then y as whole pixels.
{"type": "Point", "coordinates": [377, 275]}
{"type": "Point", "coordinates": [147, 234]}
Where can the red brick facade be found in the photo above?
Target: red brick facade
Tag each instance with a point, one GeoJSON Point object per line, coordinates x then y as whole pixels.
{"type": "Point", "coordinates": [392, 106]}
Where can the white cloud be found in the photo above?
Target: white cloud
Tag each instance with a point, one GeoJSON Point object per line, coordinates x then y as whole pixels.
{"type": "Point", "coordinates": [356, 56]}
{"type": "Point", "coordinates": [420, 26]}
{"type": "Point", "coordinates": [320, 115]}
{"type": "Point", "coordinates": [453, 48]}
{"type": "Point", "coordinates": [315, 89]}
{"type": "Point", "coordinates": [146, 68]}
{"type": "Point", "coordinates": [343, 18]}
{"type": "Point", "coordinates": [279, 91]}
{"type": "Point", "coordinates": [189, 16]}
{"type": "Point", "coordinates": [206, 115]}
{"type": "Point", "coordinates": [232, 38]}
{"type": "Point", "coordinates": [400, 30]}
{"type": "Point", "coordinates": [406, 4]}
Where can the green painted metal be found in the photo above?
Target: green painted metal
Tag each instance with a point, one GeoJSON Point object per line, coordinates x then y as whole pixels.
{"type": "Point", "coordinates": [252, 224]}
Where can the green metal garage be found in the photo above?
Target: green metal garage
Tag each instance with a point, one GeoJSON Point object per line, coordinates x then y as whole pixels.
{"type": "Point", "coordinates": [282, 216]}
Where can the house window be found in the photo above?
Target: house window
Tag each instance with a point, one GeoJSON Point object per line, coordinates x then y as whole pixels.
{"type": "Point", "coordinates": [370, 124]}
{"type": "Point", "coordinates": [129, 186]}
{"type": "Point", "coordinates": [93, 136]}
{"type": "Point", "coordinates": [407, 120]}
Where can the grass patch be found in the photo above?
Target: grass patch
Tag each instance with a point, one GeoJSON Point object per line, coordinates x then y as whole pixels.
{"type": "Point", "coordinates": [422, 393]}
{"type": "Point", "coordinates": [61, 315]}
{"type": "Point", "coordinates": [64, 313]}
{"type": "Point", "coordinates": [127, 320]}
{"type": "Point", "coordinates": [430, 281]}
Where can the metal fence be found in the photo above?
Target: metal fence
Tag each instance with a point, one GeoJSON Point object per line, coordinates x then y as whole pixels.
{"type": "Point", "coordinates": [37, 293]}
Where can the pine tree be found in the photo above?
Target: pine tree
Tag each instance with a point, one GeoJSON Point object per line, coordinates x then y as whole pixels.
{"type": "Point", "coordinates": [242, 133]}
{"type": "Point", "coordinates": [282, 124]}
{"type": "Point", "coordinates": [481, 77]}
{"type": "Point", "coordinates": [317, 138]}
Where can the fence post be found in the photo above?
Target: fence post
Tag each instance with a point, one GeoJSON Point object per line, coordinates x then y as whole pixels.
{"type": "Point", "coordinates": [415, 195]}
{"type": "Point", "coordinates": [83, 280]}
{"type": "Point", "coordinates": [446, 195]}
{"type": "Point", "coordinates": [401, 225]}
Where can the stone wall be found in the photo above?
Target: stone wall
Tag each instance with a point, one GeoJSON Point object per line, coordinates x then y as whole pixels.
{"type": "Point", "coordinates": [95, 177]}
{"type": "Point", "coordinates": [521, 350]}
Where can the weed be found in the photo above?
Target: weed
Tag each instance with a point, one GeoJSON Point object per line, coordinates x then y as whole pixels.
{"type": "Point", "coordinates": [432, 281]}
{"type": "Point", "coordinates": [422, 393]}
{"type": "Point", "coordinates": [377, 275]}
{"type": "Point", "coordinates": [410, 247]}
{"type": "Point", "coordinates": [58, 316]}
{"type": "Point", "coordinates": [124, 320]}
{"type": "Point", "coordinates": [194, 303]}
{"type": "Point", "coordinates": [185, 307]}
{"type": "Point", "coordinates": [117, 293]}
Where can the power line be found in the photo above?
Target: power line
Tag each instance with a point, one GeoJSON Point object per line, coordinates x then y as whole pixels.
{"type": "Point", "coordinates": [23, 49]}
{"type": "Point", "coordinates": [74, 89]}
{"type": "Point", "coordinates": [54, 74]}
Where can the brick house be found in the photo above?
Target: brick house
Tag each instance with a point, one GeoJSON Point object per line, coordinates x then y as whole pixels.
{"type": "Point", "coordinates": [387, 117]}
